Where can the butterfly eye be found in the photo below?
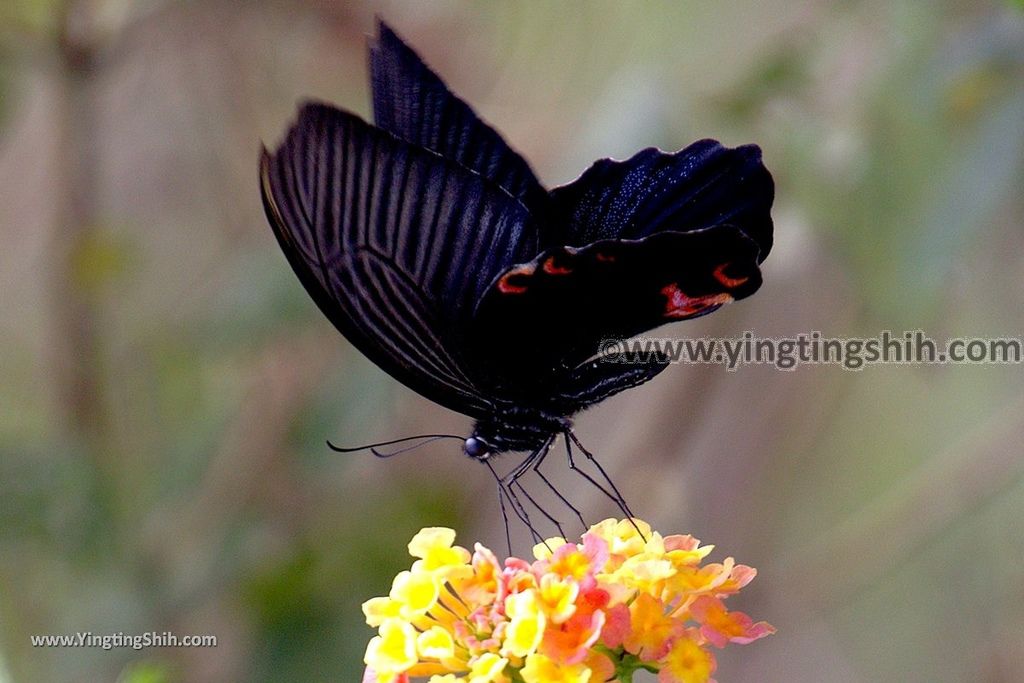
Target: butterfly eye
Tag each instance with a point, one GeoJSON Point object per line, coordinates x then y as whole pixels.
{"type": "Point", "coordinates": [476, 448]}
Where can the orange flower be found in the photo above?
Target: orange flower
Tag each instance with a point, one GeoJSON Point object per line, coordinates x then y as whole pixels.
{"type": "Point", "coordinates": [651, 631]}
{"type": "Point", "coordinates": [570, 641]}
{"type": "Point", "coordinates": [687, 662]}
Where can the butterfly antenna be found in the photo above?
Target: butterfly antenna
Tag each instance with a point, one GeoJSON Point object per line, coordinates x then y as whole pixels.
{"type": "Point", "coordinates": [372, 447]}
{"type": "Point", "coordinates": [408, 448]}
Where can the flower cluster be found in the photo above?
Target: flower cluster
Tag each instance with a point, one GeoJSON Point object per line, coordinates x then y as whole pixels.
{"type": "Point", "coordinates": [625, 598]}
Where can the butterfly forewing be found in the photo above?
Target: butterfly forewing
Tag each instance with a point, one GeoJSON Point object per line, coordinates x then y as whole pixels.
{"type": "Point", "coordinates": [413, 103]}
{"type": "Point", "coordinates": [394, 243]}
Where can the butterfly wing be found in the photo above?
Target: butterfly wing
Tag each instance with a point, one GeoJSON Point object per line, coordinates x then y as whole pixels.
{"type": "Point", "coordinates": [598, 379]}
{"type": "Point", "coordinates": [395, 244]}
{"type": "Point", "coordinates": [552, 313]}
{"type": "Point", "coordinates": [655, 239]}
{"type": "Point", "coordinates": [703, 185]}
{"type": "Point", "coordinates": [413, 103]}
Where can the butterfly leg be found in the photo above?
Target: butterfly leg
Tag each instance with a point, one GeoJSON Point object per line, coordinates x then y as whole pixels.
{"type": "Point", "coordinates": [616, 497]}
{"type": "Point", "coordinates": [533, 461]}
{"type": "Point", "coordinates": [506, 486]}
{"type": "Point", "coordinates": [505, 491]}
{"type": "Point", "coordinates": [511, 482]}
{"type": "Point", "coordinates": [521, 513]}
{"type": "Point", "coordinates": [565, 501]}
{"type": "Point", "coordinates": [501, 502]}
{"type": "Point", "coordinates": [544, 512]}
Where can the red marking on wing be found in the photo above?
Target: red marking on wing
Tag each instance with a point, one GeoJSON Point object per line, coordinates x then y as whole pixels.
{"type": "Point", "coordinates": [729, 282]}
{"type": "Point", "coordinates": [507, 286]}
{"type": "Point", "coordinates": [679, 305]}
{"type": "Point", "coordinates": [551, 268]}
{"type": "Point", "coordinates": [604, 258]}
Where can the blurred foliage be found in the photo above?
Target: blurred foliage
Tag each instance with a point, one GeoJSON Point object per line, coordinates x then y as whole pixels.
{"type": "Point", "coordinates": [37, 16]}
{"type": "Point", "coordinates": [146, 672]}
{"type": "Point", "coordinates": [168, 386]}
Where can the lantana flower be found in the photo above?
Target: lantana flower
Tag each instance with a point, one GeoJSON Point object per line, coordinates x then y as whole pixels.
{"type": "Point", "coordinates": [622, 599]}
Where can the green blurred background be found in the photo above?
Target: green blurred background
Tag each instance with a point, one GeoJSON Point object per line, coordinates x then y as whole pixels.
{"type": "Point", "coordinates": [167, 385]}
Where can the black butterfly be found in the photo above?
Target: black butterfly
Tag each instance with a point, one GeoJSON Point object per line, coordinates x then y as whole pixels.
{"type": "Point", "coordinates": [431, 245]}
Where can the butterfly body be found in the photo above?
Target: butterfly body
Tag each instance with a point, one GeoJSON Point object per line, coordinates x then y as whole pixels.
{"type": "Point", "coordinates": [515, 429]}
{"type": "Point", "coordinates": [432, 247]}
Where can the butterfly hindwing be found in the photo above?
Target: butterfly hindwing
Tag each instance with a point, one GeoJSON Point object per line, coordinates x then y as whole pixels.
{"type": "Point", "coordinates": [653, 239]}
{"type": "Point", "coordinates": [394, 243]}
{"type": "Point", "coordinates": [548, 315]}
{"type": "Point", "coordinates": [600, 378]}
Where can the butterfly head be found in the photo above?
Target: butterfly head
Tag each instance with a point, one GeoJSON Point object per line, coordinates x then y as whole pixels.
{"type": "Point", "coordinates": [477, 448]}
{"type": "Point", "coordinates": [513, 430]}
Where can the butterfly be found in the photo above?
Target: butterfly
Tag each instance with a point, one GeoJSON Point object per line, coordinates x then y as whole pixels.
{"type": "Point", "coordinates": [433, 248]}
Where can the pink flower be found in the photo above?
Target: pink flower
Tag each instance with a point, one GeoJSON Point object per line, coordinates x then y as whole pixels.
{"type": "Point", "coordinates": [720, 627]}
{"type": "Point", "coordinates": [370, 676]}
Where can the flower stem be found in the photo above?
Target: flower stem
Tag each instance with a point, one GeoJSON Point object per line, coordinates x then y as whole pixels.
{"type": "Point", "coordinates": [625, 663]}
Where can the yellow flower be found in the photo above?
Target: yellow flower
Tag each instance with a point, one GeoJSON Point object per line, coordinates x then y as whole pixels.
{"type": "Point", "coordinates": [434, 545]}
{"type": "Point", "coordinates": [558, 597]}
{"type": "Point", "coordinates": [526, 625]}
{"type": "Point", "coordinates": [541, 669]}
{"type": "Point", "coordinates": [435, 643]}
{"type": "Point", "coordinates": [415, 593]}
{"type": "Point", "coordinates": [393, 650]}
{"type": "Point", "coordinates": [377, 610]}
{"type": "Point", "coordinates": [622, 536]}
{"type": "Point", "coordinates": [543, 551]}
{"type": "Point", "coordinates": [644, 572]}
{"type": "Point", "coordinates": [488, 668]}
